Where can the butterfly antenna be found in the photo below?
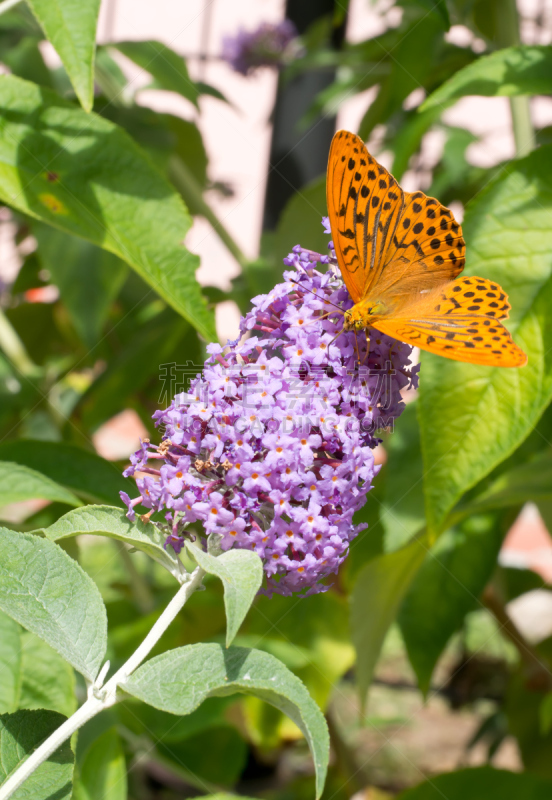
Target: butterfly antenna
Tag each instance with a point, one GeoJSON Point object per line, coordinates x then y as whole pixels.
{"type": "Point", "coordinates": [329, 302]}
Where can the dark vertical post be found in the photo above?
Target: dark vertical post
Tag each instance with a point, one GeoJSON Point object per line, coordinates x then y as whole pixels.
{"type": "Point", "coordinates": [297, 157]}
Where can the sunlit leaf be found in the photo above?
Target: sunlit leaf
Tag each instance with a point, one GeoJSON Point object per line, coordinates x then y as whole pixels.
{"type": "Point", "coordinates": [113, 523]}
{"type": "Point", "coordinates": [48, 593]}
{"type": "Point", "coordinates": [19, 483]}
{"type": "Point", "coordinates": [86, 176]}
{"type": "Point", "coordinates": [472, 418]}
{"type": "Point", "coordinates": [179, 680]}
{"type": "Point", "coordinates": [525, 69]}
{"type": "Point", "coordinates": [70, 25]}
{"type": "Point", "coordinates": [241, 572]}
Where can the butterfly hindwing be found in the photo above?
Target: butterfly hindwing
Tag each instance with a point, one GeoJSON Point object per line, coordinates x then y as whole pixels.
{"type": "Point", "coordinates": [460, 321]}
{"type": "Point", "coordinates": [377, 228]}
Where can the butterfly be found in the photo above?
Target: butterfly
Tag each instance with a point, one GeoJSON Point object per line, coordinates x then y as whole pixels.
{"type": "Point", "coordinates": [399, 253]}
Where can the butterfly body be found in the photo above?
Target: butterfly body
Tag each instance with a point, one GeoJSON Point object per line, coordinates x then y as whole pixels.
{"type": "Point", "coordinates": [365, 314]}
{"type": "Point", "coordinates": [399, 254]}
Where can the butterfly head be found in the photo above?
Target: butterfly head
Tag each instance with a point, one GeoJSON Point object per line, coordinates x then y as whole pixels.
{"type": "Point", "coordinates": [362, 315]}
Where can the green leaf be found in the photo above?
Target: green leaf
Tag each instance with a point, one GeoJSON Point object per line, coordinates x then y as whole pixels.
{"type": "Point", "coordinates": [402, 511]}
{"type": "Point", "coordinates": [88, 278]}
{"type": "Point", "coordinates": [113, 523]}
{"type": "Point", "coordinates": [80, 471]}
{"type": "Point", "coordinates": [301, 221]}
{"type": "Point", "coordinates": [32, 675]}
{"type": "Point", "coordinates": [480, 783]}
{"type": "Point", "coordinates": [167, 67]}
{"type": "Point", "coordinates": [97, 185]}
{"type": "Point", "coordinates": [70, 25]}
{"type": "Point", "coordinates": [103, 771]}
{"type": "Point", "coordinates": [379, 589]}
{"type": "Point", "coordinates": [20, 734]}
{"type": "Point", "coordinates": [47, 680]}
{"type": "Point", "coordinates": [525, 69]}
{"type": "Point", "coordinates": [10, 664]}
{"type": "Point", "coordinates": [197, 756]}
{"type": "Point", "coordinates": [546, 713]}
{"type": "Point", "coordinates": [241, 573]}
{"type": "Point", "coordinates": [48, 593]}
{"type": "Point", "coordinates": [528, 482]}
{"type": "Point", "coordinates": [179, 680]}
{"type": "Point", "coordinates": [472, 418]}
{"type": "Point", "coordinates": [446, 588]}
{"type": "Point", "coordinates": [21, 483]}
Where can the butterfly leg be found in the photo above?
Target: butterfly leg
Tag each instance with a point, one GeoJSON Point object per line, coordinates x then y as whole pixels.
{"type": "Point", "coordinates": [367, 344]}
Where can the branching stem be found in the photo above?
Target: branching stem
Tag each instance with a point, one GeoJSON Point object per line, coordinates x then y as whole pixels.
{"type": "Point", "coordinates": [103, 696]}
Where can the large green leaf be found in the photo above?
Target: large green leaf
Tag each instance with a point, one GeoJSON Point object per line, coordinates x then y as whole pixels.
{"type": "Point", "coordinates": [402, 512]}
{"type": "Point", "coordinates": [525, 69]}
{"type": "Point", "coordinates": [80, 471]}
{"type": "Point", "coordinates": [71, 27]}
{"type": "Point", "coordinates": [10, 664]}
{"type": "Point", "coordinates": [113, 523]}
{"type": "Point", "coordinates": [527, 482]}
{"type": "Point", "coordinates": [21, 483]}
{"type": "Point", "coordinates": [481, 783]}
{"type": "Point", "coordinates": [241, 573]}
{"type": "Point", "coordinates": [88, 278]}
{"type": "Point", "coordinates": [20, 734]}
{"type": "Point", "coordinates": [472, 418]}
{"type": "Point", "coordinates": [32, 675]}
{"type": "Point", "coordinates": [167, 67]}
{"type": "Point", "coordinates": [445, 589]}
{"type": "Point", "coordinates": [179, 680]}
{"type": "Point", "coordinates": [86, 176]}
{"type": "Point", "coordinates": [48, 593]}
{"type": "Point", "coordinates": [379, 589]}
{"type": "Point", "coordinates": [102, 773]}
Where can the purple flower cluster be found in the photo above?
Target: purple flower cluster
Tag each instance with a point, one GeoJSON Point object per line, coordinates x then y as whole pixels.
{"type": "Point", "coordinates": [268, 46]}
{"type": "Point", "coordinates": [271, 447]}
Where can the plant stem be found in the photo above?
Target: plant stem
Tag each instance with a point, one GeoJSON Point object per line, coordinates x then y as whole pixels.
{"type": "Point", "coordinates": [192, 193]}
{"type": "Point", "coordinates": [100, 697]}
{"type": "Point", "coordinates": [508, 35]}
{"type": "Point", "coordinates": [538, 671]}
{"type": "Point", "coordinates": [7, 4]}
{"type": "Point", "coordinates": [11, 344]}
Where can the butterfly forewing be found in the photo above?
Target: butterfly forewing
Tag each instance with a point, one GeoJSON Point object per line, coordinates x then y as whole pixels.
{"type": "Point", "coordinates": [364, 206]}
{"type": "Point", "coordinates": [460, 321]}
{"type": "Point", "coordinates": [378, 228]}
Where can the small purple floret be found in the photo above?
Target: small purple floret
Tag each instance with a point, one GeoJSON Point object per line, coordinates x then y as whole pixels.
{"type": "Point", "coordinates": [272, 446]}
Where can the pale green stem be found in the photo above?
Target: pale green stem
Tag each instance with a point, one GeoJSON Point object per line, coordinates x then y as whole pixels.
{"type": "Point", "coordinates": [520, 109]}
{"type": "Point", "coordinates": [100, 696]}
{"type": "Point", "coordinates": [192, 193]}
{"type": "Point", "coordinates": [7, 4]}
{"type": "Point", "coordinates": [13, 347]}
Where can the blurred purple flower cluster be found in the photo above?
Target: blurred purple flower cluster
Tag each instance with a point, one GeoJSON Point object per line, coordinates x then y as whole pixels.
{"type": "Point", "coordinates": [268, 46]}
{"type": "Point", "coordinates": [271, 448]}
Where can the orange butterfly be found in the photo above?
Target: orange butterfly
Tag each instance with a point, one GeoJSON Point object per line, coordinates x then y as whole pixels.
{"type": "Point", "coordinates": [399, 253]}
